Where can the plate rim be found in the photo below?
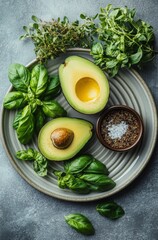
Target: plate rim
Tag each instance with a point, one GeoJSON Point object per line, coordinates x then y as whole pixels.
{"type": "Point", "coordinates": [86, 198]}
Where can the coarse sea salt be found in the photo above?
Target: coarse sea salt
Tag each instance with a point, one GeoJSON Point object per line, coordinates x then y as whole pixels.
{"type": "Point", "coordinates": [116, 131]}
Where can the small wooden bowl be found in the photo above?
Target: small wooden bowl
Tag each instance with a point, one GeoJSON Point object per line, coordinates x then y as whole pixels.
{"type": "Point", "coordinates": [108, 131]}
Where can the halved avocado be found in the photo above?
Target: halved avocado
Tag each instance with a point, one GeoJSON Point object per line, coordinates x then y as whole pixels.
{"type": "Point", "coordinates": [84, 85]}
{"type": "Point", "coordinates": [82, 132]}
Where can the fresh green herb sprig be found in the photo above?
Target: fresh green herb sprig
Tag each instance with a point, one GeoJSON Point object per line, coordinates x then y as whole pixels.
{"type": "Point", "coordinates": [40, 163]}
{"type": "Point", "coordinates": [54, 37]}
{"type": "Point", "coordinates": [84, 174]}
{"type": "Point", "coordinates": [32, 97]}
{"type": "Point", "coordinates": [122, 40]}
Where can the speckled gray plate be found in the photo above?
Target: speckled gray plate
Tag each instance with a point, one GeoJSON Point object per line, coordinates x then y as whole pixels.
{"type": "Point", "coordinates": [127, 88]}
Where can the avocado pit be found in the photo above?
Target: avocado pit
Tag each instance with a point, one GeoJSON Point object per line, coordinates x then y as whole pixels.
{"type": "Point", "coordinates": [62, 137]}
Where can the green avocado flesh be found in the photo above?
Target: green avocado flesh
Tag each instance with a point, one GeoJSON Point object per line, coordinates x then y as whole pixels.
{"type": "Point", "coordinates": [82, 130]}
{"type": "Point", "coordinates": [84, 85]}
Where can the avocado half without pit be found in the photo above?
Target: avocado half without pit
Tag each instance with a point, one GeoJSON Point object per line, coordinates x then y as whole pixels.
{"type": "Point", "coordinates": [84, 85]}
{"type": "Point", "coordinates": [57, 142]}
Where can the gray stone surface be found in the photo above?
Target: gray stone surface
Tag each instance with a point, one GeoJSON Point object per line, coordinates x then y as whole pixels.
{"type": "Point", "coordinates": [25, 213]}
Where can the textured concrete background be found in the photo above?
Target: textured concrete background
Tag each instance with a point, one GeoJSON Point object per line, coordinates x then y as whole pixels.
{"type": "Point", "coordinates": [25, 213]}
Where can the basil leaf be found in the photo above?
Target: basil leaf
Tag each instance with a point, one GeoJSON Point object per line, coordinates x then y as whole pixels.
{"type": "Point", "coordinates": [39, 119]}
{"type": "Point", "coordinates": [17, 119]}
{"type": "Point", "coordinates": [96, 167]}
{"type": "Point", "coordinates": [110, 210]}
{"type": "Point", "coordinates": [80, 223]}
{"type": "Point", "coordinates": [112, 63]}
{"type": "Point", "coordinates": [61, 180]}
{"type": "Point", "coordinates": [30, 94]}
{"type": "Point", "coordinates": [19, 76]}
{"type": "Point", "coordinates": [15, 100]}
{"type": "Point", "coordinates": [40, 164]}
{"type": "Point", "coordinates": [53, 87]}
{"type": "Point", "coordinates": [53, 109]}
{"type": "Point", "coordinates": [76, 184]}
{"type": "Point", "coordinates": [102, 181]}
{"type": "Point", "coordinates": [26, 155]}
{"type": "Point", "coordinates": [59, 173]}
{"type": "Point", "coordinates": [71, 182]}
{"type": "Point", "coordinates": [78, 164]}
{"type": "Point", "coordinates": [95, 188]}
{"type": "Point", "coordinates": [136, 57]}
{"type": "Point", "coordinates": [39, 79]}
{"type": "Point", "coordinates": [25, 128]}
{"type": "Point", "coordinates": [97, 49]}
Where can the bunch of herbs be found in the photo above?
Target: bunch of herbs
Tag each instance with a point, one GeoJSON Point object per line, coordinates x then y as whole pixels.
{"type": "Point", "coordinates": [54, 37]}
{"type": "Point", "coordinates": [33, 98]}
{"type": "Point", "coordinates": [84, 174]}
{"type": "Point", "coordinates": [116, 39]}
{"type": "Point", "coordinates": [122, 40]}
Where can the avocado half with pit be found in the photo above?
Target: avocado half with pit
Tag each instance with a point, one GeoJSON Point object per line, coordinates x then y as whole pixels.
{"type": "Point", "coordinates": [84, 85]}
{"type": "Point", "coordinates": [62, 138]}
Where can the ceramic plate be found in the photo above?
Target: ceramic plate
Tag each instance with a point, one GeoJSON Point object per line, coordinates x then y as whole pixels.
{"type": "Point", "coordinates": [127, 88]}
